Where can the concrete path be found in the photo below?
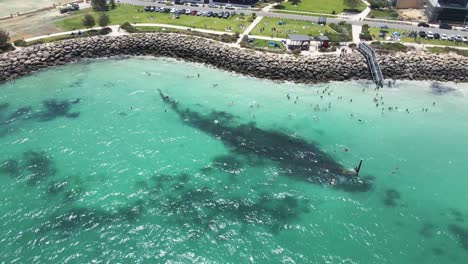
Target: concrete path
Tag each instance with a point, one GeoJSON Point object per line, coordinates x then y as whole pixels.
{"type": "Point", "coordinates": [184, 28]}
{"type": "Point", "coordinates": [114, 32]}
{"type": "Point", "coordinates": [266, 38]}
{"type": "Point", "coordinates": [249, 28]}
{"type": "Point", "coordinates": [356, 30]}
{"type": "Point", "coordinates": [361, 16]}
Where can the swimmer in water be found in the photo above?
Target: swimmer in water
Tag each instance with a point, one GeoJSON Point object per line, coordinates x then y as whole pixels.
{"type": "Point", "coordinates": [215, 85]}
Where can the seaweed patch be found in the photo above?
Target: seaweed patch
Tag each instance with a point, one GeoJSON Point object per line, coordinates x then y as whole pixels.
{"type": "Point", "coordinates": [39, 165]}
{"type": "Point", "coordinates": [391, 198]}
{"type": "Point", "coordinates": [461, 234]}
{"type": "Point", "coordinates": [10, 167]}
{"type": "Point", "coordinates": [440, 89]}
{"type": "Point", "coordinates": [296, 157]}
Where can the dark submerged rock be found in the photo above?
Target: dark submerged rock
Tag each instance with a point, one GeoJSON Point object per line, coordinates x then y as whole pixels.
{"type": "Point", "coordinates": [10, 167]}
{"type": "Point", "coordinates": [297, 158]}
{"type": "Point", "coordinates": [461, 234]}
{"type": "Point", "coordinates": [39, 165]}
{"type": "Point", "coordinates": [391, 198]}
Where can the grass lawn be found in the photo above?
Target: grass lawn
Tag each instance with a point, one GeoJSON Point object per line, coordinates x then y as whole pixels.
{"type": "Point", "coordinates": [322, 6]}
{"type": "Point", "coordinates": [227, 38]}
{"type": "Point", "coordinates": [375, 32]}
{"type": "Point", "coordinates": [291, 27]}
{"type": "Point", "coordinates": [439, 50]}
{"type": "Point", "coordinates": [128, 13]}
{"type": "Point", "coordinates": [383, 14]}
{"type": "Point", "coordinates": [262, 43]}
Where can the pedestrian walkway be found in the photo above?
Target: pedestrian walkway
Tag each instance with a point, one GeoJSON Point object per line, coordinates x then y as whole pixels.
{"type": "Point", "coordinates": [356, 30]}
{"type": "Point", "coordinates": [114, 33]}
{"type": "Point", "coordinates": [184, 28]}
{"type": "Point", "coordinates": [249, 28]}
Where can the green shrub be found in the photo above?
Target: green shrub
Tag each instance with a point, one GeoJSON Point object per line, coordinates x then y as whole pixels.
{"type": "Point", "coordinates": [128, 27]}
{"type": "Point", "coordinates": [105, 31]}
{"type": "Point", "coordinates": [20, 43]}
{"type": "Point", "coordinates": [389, 46]}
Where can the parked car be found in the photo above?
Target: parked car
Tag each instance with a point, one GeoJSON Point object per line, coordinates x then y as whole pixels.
{"type": "Point", "coordinates": [187, 11]}
{"type": "Point", "coordinates": [458, 38]}
{"type": "Point", "coordinates": [152, 9]}
{"type": "Point", "coordinates": [422, 24]}
{"type": "Point", "coordinates": [220, 14]}
{"type": "Point", "coordinates": [194, 4]}
{"type": "Point", "coordinates": [194, 12]}
{"type": "Point", "coordinates": [443, 37]}
{"type": "Point", "coordinates": [322, 21]}
{"type": "Point", "coordinates": [464, 29]}
{"type": "Point", "coordinates": [69, 8]}
{"type": "Point", "coordinates": [228, 6]}
{"type": "Point", "coordinates": [445, 26]}
{"type": "Point", "coordinates": [209, 13]}
{"type": "Point", "coordinates": [227, 14]}
{"type": "Point", "coordinates": [212, 6]}
{"type": "Point", "coordinates": [451, 38]}
{"type": "Point", "coordinates": [436, 36]}
{"type": "Point", "coordinates": [147, 8]}
{"type": "Point", "coordinates": [465, 39]}
{"type": "Point", "coordinates": [430, 35]}
{"type": "Point", "coordinates": [422, 34]}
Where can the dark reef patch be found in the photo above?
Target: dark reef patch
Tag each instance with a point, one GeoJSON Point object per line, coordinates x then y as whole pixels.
{"type": "Point", "coordinates": [427, 230]}
{"type": "Point", "coordinates": [86, 218]}
{"type": "Point", "coordinates": [54, 109]}
{"type": "Point", "coordinates": [199, 207]}
{"type": "Point", "coordinates": [440, 89]}
{"type": "Point", "coordinates": [461, 234]}
{"type": "Point", "coordinates": [228, 163]}
{"type": "Point", "coordinates": [10, 167]}
{"type": "Point", "coordinates": [457, 215]}
{"type": "Point", "coordinates": [39, 165]}
{"type": "Point", "coordinates": [391, 198]}
{"type": "Point", "coordinates": [19, 114]}
{"type": "Point", "coordinates": [3, 106]}
{"type": "Point", "coordinates": [56, 187]}
{"type": "Point", "coordinates": [438, 251]}
{"type": "Point", "coordinates": [296, 157]}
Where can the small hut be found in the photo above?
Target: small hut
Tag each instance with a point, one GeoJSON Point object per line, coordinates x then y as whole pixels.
{"type": "Point", "coordinates": [300, 42]}
{"type": "Point", "coordinates": [324, 42]}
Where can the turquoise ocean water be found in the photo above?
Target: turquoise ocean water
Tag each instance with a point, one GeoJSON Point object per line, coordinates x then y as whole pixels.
{"type": "Point", "coordinates": [97, 167]}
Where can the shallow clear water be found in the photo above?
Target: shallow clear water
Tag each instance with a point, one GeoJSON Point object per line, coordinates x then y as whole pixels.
{"type": "Point", "coordinates": [96, 166]}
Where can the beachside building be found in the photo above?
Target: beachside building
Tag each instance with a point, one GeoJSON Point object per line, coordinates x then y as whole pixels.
{"type": "Point", "coordinates": [447, 10]}
{"type": "Point", "coordinates": [418, 4]}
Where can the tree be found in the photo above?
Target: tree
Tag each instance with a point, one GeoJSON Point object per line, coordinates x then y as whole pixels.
{"type": "Point", "coordinates": [112, 4]}
{"type": "Point", "coordinates": [295, 2]}
{"type": "Point", "coordinates": [99, 5]}
{"type": "Point", "coordinates": [353, 4]}
{"type": "Point", "coordinates": [103, 20]}
{"type": "Point", "coordinates": [4, 38]}
{"type": "Point", "coordinates": [88, 21]}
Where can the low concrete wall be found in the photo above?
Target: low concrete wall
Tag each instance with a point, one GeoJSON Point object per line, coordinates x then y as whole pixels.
{"type": "Point", "coordinates": [411, 66]}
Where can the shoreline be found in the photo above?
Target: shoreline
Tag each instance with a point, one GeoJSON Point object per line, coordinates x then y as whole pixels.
{"type": "Point", "coordinates": [320, 69]}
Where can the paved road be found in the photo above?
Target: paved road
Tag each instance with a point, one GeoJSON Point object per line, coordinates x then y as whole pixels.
{"type": "Point", "coordinates": [303, 17]}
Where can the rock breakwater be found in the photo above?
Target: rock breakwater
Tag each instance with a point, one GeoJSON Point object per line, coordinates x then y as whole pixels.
{"type": "Point", "coordinates": [410, 66]}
